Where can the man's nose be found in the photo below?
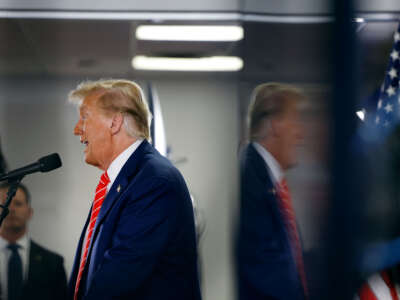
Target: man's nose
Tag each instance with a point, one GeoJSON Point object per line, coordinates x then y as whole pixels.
{"type": "Point", "coordinates": [301, 131]}
{"type": "Point", "coordinates": [11, 208]}
{"type": "Point", "coordinates": [78, 128]}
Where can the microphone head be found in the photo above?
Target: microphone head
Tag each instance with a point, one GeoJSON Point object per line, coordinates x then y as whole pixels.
{"type": "Point", "coordinates": [50, 162]}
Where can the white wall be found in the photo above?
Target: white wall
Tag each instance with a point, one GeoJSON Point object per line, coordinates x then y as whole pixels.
{"type": "Point", "coordinates": [38, 121]}
{"type": "Point", "coordinates": [201, 121]}
{"type": "Point", "coordinates": [201, 124]}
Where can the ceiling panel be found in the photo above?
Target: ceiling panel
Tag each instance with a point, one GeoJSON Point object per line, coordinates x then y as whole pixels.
{"type": "Point", "coordinates": [287, 52]}
{"type": "Point", "coordinates": [87, 47]}
{"type": "Point", "coordinates": [16, 54]}
{"type": "Point", "coordinates": [271, 51]}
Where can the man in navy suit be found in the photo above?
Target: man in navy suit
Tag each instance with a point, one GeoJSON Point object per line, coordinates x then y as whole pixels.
{"type": "Point", "coordinates": [139, 240]}
{"type": "Point", "coordinates": [269, 256]}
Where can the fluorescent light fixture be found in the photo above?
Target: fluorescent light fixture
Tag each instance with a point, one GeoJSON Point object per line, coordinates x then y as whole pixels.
{"type": "Point", "coordinates": [230, 33]}
{"type": "Point", "coordinates": [202, 64]}
{"type": "Point", "coordinates": [361, 114]}
{"type": "Point", "coordinates": [359, 20]}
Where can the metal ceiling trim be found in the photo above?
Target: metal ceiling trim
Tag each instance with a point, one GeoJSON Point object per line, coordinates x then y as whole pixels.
{"type": "Point", "coordinates": [288, 19]}
{"type": "Point", "coordinates": [190, 16]}
{"type": "Point", "coordinates": [123, 16]}
{"type": "Point", "coordinates": [380, 17]}
{"type": "Point", "coordinates": [298, 19]}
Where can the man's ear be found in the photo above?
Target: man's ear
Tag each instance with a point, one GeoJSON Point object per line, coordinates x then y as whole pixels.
{"type": "Point", "coordinates": [116, 123]}
{"type": "Point", "coordinates": [275, 127]}
{"type": "Point", "coordinates": [30, 212]}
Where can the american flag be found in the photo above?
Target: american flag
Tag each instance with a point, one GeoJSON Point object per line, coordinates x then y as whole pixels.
{"type": "Point", "coordinates": [385, 253]}
{"type": "Point", "coordinates": [388, 106]}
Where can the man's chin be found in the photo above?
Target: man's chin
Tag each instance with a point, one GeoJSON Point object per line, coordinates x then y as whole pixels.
{"type": "Point", "coordinates": [88, 160]}
{"type": "Point", "coordinates": [91, 161]}
{"type": "Point", "coordinates": [13, 226]}
{"type": "Point", "coordinates": [292, 165]}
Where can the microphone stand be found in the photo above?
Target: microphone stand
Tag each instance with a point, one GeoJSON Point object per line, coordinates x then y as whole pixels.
{"type": "Point", "coordinates": [14, 182]}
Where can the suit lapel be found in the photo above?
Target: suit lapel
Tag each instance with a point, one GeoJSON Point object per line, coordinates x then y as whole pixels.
{"type": "Point", "coordinates": [35, 265]}
{"type": "Point", "coordinates": [121, 183]}
{"type": "Point", "coordinates": [270, 188]}
{"type": "Point", "coordinates": [262, 169]}
{"type": "Point", "coordinates": [35, 259]}
{"type": "Point", "coordinates": [77, 259]}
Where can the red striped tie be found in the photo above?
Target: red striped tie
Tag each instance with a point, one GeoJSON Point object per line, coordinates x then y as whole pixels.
{"type": "Point", "coordinates": [378, 287]}
{"type": "Point", "coordinates": [101, 191]}
{"type": "Point", "coordinates": [291, 226]}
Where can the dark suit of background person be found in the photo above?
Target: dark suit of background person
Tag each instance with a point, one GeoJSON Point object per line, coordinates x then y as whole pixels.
{"type": "Point", "coordinates": [144, 243]}
{"type": "Point", "coordinates": [266, 267]}
{"type": "Point", "coordinates": [45, 277]}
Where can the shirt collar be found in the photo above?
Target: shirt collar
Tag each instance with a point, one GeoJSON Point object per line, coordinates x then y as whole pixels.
{"type": "Point", "coordinates": [22, 241]}
{"type": "Point", "coordinates": [274, 168]}
{"type": "Point", "coordinates": [117, 164]}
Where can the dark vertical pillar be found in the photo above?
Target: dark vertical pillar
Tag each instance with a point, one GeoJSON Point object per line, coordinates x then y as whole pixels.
{"type": "Point", "coordinates": [342, 234]}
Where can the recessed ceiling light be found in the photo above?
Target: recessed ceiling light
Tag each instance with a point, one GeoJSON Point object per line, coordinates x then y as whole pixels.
{"type": "Point", "coordinates": [189, 33]}
{"type": "Point", "coordinates": [202, 64]}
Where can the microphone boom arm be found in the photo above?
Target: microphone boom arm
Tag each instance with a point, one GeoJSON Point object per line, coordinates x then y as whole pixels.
{"type": "Point", "coordinates": [14, 183]}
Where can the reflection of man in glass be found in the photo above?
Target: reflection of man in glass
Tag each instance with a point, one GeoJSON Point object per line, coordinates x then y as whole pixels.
{"type": "Point", "coordinates": [270, 261]}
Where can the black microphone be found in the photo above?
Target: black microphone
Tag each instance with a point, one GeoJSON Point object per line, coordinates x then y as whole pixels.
{"type": "Point", "coordinates": [45, 164]}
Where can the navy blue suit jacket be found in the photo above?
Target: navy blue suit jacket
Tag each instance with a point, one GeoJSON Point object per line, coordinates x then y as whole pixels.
{"type": "Point", "coordinates": [265, 264]}
{"type": "Point", "coordinates": [46, 275]}
{"type": "Point", "coordinates": [144, 243]}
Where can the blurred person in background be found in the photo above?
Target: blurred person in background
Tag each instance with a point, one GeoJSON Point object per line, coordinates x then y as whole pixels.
{"type": "Point", "coordinates": [269, 252]}
{"type": "Point", "coordinates": [139, 241]}
{"type": "Point", "coordinates": [27, 270]}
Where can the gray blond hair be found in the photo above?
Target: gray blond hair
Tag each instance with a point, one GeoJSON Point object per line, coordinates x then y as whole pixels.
{"type": "Point", "coordinates": [122, 96]}
{"type": "Point", "coordinates": [268, 100]}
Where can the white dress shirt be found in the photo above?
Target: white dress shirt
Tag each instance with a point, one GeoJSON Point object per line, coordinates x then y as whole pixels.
{"type": "Point", "coordinates": [5, 254]}
{"type": "Point", "coordinates": [117, 164]}
{"type": "Point", "coordinates": [274, 169]}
